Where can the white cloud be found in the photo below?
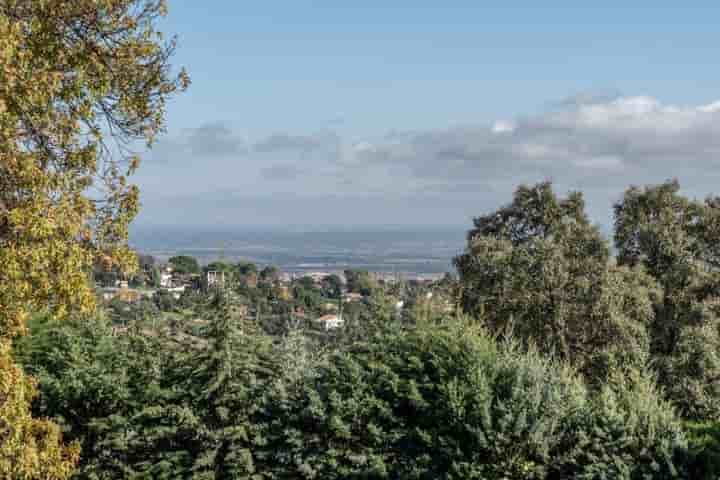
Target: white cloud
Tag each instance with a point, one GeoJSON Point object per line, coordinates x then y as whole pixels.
{"type": "Point", "coordinates": [503, 127]}
{"type": "Point", "coordinates": [710, 107]}
{"type": "Point", "coordinates": [599, 144]}
{"type": "Point", "coordinates": [624, 134]}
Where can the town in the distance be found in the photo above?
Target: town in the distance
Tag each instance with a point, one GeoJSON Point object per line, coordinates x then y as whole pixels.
{"type": "Point", "coordinates": [321, 300]}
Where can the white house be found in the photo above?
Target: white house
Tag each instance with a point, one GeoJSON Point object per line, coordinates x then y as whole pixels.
{"type": "Point", "coordinates": [352, 297]}
{"type": "Point", "coordinates": [215, 278]}
{"type": "Point", "coordinates": [177, 291]}
{"type": "Point", "coordinates": [330, 322]}
{"type": "Point", "coordinates": [165, 279]}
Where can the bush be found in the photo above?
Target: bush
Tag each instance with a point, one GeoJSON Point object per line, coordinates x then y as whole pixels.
{"type": "Point", "coordinates": [693, 373]}
{"type": "Point", "coordinates": [434, 402]}
{"type": "Point", "coordinates": [453, 404]}
{"type": "Point", "coordinates": [628, 432]}
{"type": "Point", "coordinates": [704, 450]}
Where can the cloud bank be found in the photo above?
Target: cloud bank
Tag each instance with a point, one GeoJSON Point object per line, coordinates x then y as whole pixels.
{"type": "Point", "coordinates": [599, 143]}
{"type": "Point", "coordinates": [611, 139]}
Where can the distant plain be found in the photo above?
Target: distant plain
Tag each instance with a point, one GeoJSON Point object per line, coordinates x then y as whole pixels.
{"type": "Point", "coordinates": [382, 249]}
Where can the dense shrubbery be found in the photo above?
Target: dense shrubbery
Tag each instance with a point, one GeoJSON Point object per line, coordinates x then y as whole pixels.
{"type": "Point", "coordinates": [452, 403]}
{"type": "Point", "coordinates": [704, 451]}
{"type": "Point", "coordinates": [429, 402]}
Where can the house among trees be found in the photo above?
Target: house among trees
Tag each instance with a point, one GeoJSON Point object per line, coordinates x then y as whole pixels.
{"type": "Point", "coordinates": [166, 277]}
{"type": "Point", "coordinates": [214, 278]}
{"type": "Point", "coordinates": [352, 297]}
{"type": "Point", "coordinates": [330, 322]}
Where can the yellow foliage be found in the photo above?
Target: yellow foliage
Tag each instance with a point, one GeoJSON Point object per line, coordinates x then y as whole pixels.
{"type": "Point", "coordinates": [80, 81]}
{"type": "Point", "coordinates": [29, 447]}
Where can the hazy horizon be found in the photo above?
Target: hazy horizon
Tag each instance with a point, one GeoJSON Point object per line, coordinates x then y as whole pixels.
{"type": "Point", "coordinates": [389, 249]}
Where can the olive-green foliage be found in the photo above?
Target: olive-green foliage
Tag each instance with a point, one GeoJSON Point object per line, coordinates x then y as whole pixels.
{"type": "Point", "coordinates": [677, 240]}
{"type": "Point", "coordinates": [449, 403]}
{"type": "Point", "coordinates": [366, 318]}
{"type": "Point", "coordinates": [306, 294]}
{"type": "Point", "coordinates": [184, 264]}
{"type": "Point", "coordinates": [152, 405]}
{"type": "Point", "coordinates": [359, 281]}
{"type": "Point", "coordinates": [431, 402]}
{"type": "Point", "coordinates": [691, 375]}
{"type": "Point", "coordinates": [629, 432]}
{"type": "Point", "coordinates": [270, 275]}
{"type": "Point", "coordinates": [538, 268]}
{"type": "Point", "coordinates": [332, 287]}
{"type": "Point", "coordinates": [704, 450]}
{"type": "Point", "coordinates": [165, 301]}
{"type": "Point", "coordinates": [96, 386]}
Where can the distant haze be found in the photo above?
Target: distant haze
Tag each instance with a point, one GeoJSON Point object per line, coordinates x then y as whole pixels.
{"type": "Point", "coordinates": [383, 250]}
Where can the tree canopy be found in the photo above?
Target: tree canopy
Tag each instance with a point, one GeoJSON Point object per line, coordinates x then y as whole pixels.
{"type": "Point", "coordinates": [434, 401]}
{"type": "Point", "coordinates": [81, 81]}
{"type": "Point", "coordinates": [537, 268]}
{"type": "Point", "coordinates": [184, 264]}
{"type": "Point", "coordinates": [359, 281]}
{"type": "Point", "coordinates": [676, 240]}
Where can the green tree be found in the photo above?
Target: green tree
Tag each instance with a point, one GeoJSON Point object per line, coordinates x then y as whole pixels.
{"type": "Point", "coordinates": [676, 241]}
{"type": "Point", "coordinates": [74, 76]}
{"type": "Point", "coordinates": [96, 386]}
{"type": "Point", "coordinates": [246, 268]}
{"type": "Point", "coordinates": [184, 264]}
{"type": "Point", "coordinates": [307, 294]}
{"type": "Point", "coordinates": [270, 275]}
{"type": "Point", "coordinates": [332, 286]}
{"type": "Point", "coordinates": [539, 269]}
{"type": "Point", "coordinates": [451, 403]}
{"type": "Point", "coordinates": [360, 281]}
{"type": "Point", "coordinates": [223, 384]}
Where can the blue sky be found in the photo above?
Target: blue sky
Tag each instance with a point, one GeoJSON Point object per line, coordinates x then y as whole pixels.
{"type": "Point", "coordinates": [319, 112]}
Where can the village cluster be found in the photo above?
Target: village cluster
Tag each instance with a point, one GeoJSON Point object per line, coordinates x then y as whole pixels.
{"type": "Point", "coordinates": [325, 298]}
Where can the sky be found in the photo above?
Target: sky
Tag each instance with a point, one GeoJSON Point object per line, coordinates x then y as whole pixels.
{"type": "Point", "coordinates": [305, 114]}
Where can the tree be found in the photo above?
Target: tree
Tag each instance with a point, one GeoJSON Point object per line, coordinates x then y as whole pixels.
{"type": "Point", "coordinates": [23, 438]}
{"type": "Point", "coordinates": [184, 264]}
{"type": "Point", "coordinates": [165, 301]}
{"type": "Point", "coordinates": [676, 241]}
{"type": "Point", "coordinates": [270, 275]}
{"type": "Point", "coordinates": [247, 274]}
{"type": "Point", "coordinates": [74, 76]}
{"type": "Point", "coordinates": [94, 384]}
{"type": "Point", "coordinates": [452, 403]}
{"type": "Point", "coordinates": [332, 286]}
{"type": "Point", "coordinates": [359, 281]}
{"type": "Point", "coordinates": [222, 382]}
{"type": "Point", "coordinates": [539, 269]}
{"type": "Point", "coordinates": [246, 268]}
{"type": "Point", "coordinates": [306, 294]}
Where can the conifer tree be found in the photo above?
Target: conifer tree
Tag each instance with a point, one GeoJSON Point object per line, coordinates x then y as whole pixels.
{"type": "Point", "coordinates": [224, 383]}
